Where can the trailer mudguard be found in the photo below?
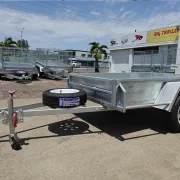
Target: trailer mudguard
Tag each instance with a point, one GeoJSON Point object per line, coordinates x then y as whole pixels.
{"type": "Point", "coordinates": [168, 94]}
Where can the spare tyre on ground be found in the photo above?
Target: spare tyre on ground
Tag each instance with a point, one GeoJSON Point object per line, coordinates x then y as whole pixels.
{"type": "Point", "coordinates": [64, 98]}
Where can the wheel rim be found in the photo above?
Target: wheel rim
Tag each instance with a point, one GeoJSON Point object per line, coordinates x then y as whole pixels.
{"type": "Point", "coordinates": [64, 91]}
{"type": "Point", "coordinates": [178, 115]}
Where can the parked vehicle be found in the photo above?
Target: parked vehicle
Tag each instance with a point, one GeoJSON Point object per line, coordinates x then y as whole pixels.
{"type": "Point", "coordinates": [76, 64]}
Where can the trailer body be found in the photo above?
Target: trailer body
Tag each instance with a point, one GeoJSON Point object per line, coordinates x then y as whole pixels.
{"type": "Point", "coordinates": [122, 91]}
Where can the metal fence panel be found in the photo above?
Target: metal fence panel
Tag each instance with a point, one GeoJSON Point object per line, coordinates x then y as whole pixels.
{"type": "Point", "coordinates": [155, 58]}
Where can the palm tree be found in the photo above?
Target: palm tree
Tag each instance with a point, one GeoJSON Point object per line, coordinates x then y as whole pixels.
{"type": "Point", "coordinates": [18, 45]}
{"type": "Point", "coordinates": [8, 42]}
{"type": "Point", "coordinates": [24, 44]}
{"type": "Point", "coordinates": [97, 51]}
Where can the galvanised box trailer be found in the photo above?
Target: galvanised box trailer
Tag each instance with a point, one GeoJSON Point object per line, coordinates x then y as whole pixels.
{"type": "Point", "coordinates": [112, 91]}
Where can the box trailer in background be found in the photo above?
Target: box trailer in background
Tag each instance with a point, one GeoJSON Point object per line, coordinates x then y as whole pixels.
{"type": "Point", "coordinates": [14, 65]}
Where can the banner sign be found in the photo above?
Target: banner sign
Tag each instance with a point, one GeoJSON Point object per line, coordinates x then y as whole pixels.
{"type": "Point", "coordinates": [163, 35]}
{"type": "Point", "coordinates": [131, 40]}
{"type": "Point", "coordinates": [140, 39]}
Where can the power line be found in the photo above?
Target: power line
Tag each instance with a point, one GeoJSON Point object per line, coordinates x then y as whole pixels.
{"type": "Point", "coordinates": [102, 18]}
{"type": "Point", "coordinates": [83, 23]}
{"type": "Point", "coordinates": [84, 12]}
{"type": "Point", "coordinates": [39, 35]}
{"type": "Point", "coordinates": [80, 16]}
{"type": "Point", "coordinates": [140, 23]}
{"type": "Point", "coordinates": [29, 9]}
{"type": "Point", "coordinates": [99, 25]}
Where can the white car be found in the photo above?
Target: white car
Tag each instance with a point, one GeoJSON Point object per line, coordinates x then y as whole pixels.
{"type": "Point", "coordinates": [75, 64]}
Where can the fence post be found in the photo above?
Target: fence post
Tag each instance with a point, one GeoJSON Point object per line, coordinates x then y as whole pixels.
{"type": "Point", "coordinates": [1, 56]}
{"type": "Point", "coordinates": [46, 57]}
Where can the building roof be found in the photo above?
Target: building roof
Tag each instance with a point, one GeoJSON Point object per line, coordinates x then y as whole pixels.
{"type": "Point", "coordinates": [75, 50]}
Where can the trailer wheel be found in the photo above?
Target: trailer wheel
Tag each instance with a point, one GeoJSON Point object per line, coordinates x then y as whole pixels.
{"type": "Point", "coordinates": [35, 76]}
{"type": "Point", "coordinates": [63, 97]}
{"type": "Point", "coordinates": [175, 115]}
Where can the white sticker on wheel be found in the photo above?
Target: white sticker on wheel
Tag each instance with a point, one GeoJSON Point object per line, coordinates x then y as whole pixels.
{"type": "Point", "coordinates": [75, 101]}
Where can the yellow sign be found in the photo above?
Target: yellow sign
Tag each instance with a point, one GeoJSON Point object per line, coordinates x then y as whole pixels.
{"type": "Point", "coordinates": [163, 35]}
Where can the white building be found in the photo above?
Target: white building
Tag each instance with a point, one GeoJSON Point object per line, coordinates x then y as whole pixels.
{"type": "Point", "coordinates": [153, 50]}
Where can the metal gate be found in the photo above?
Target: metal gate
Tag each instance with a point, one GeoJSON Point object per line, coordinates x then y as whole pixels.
{"type": "Point", "coordinates": [159, 61]}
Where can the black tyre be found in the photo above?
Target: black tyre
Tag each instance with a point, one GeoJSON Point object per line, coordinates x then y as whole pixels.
{"type": "Point", "coordinates": [20, 73]}
{"type": "Point", "coordinates": [15, 143]}
{"type": "Point", "coordinates": [175, 115]}
{"type": "Point", "coordinates": [63, 97]}
{"type": "Point", "coordinates": [41, 74]}
{"type": "Point", "coordinates": [35, 76]}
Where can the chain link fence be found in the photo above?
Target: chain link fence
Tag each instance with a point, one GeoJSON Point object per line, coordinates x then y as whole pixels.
{"type": "Point", "coordinates": [49, 57]}
{"type": "Point", "coordinates": [31, 56]}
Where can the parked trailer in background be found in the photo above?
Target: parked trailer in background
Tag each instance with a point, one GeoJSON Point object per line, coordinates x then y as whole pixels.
{"type": "Point", "coordinates": [14, 65]}
{"type": "Point", "coordinates": [39, 62]}
{"type": "Point", "coordinates": [53, 70]}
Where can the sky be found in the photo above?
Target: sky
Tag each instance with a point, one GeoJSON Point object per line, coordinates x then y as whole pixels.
{"type": "Point", "coordinates": [66, 24]}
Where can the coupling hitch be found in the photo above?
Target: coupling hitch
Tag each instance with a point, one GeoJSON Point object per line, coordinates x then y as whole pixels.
{"type": "Point", "coordinates": [17, 117]}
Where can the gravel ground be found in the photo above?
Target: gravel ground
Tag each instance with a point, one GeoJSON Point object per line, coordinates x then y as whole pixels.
{"type": "Point", "coordinates": [104, 145]}
{"type": "Point", "coordinates": [30, 90]}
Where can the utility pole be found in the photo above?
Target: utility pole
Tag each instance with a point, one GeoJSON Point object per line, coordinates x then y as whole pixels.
{"type": "Point", "coordinates": [87, 61]}
{"type": "Point", "coordinates": [21, 40]}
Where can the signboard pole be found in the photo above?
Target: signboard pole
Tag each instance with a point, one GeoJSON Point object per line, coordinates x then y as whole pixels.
{"type": "Point", "coordinates": [177, 71]}
{"type": "Point", "coordinates": [131, 58]}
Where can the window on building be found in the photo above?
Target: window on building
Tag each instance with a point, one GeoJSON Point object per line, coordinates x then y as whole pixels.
{"type": "Point", "coordinates": [174, 46]}
{"type": "Point", "coordinates": [89, 55]}
{"type": "Point", "coordinates": [83, 55]}
{"type": "Point", "coordinates": [70, 53]}
{"type": "Point", "coordinates": [106, 57]}
{"type": "Point", "coordinates": [146, 50]}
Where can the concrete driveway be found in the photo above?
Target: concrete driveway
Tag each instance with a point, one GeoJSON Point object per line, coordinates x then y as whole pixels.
{"type": "Point", "coordinates": [105, 145]}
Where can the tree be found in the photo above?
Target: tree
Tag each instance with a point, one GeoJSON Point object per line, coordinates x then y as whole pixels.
{"type": "Point", "coordinates": [8, 42]}
{"type": "Point", "coordinates": [97, 51]}
{"type": "Point", "coordinates": [24, 44]}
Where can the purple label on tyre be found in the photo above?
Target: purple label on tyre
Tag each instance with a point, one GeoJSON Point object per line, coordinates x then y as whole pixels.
{"type": "Point", "coordinates": [75, 101]}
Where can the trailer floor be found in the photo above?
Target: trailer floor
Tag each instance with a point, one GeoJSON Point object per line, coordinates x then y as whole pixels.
{"type": "Point", "coordinates": [106, 145]}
